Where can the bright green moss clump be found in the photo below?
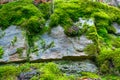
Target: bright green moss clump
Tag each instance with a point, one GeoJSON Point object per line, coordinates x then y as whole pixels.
{"type": "Point", "coordinates": [9, 72]}
{"type": "Point", "coordinates": [22, 13]}
{"type": "Point", "coordinates": [110, 59]}
{"type": "Point", "coordinates": [68, 12]}
{"type": "Point", "coordinates": [90, 75]}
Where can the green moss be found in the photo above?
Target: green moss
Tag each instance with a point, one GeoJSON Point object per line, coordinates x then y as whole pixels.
{"type": "Point", "coordinates": [54, 20]}
{"type": "Point", "coordinates": [68, 12]}
{"type": "Point", "coordinates": [49, 71]}
{"type": "Point", "coordinates": [110, 77]}
{"type": "Point", "coordinates": [21, 14]}
{"type": "Point", "coordinates": [20, 51]}
{"type": "Point", "coordinates": [90, 75]}
{"type": "Point", "coordinates": [8, 72]}
{"type": "Point", "coordinates": [45, 8]}
{"type": "Point", "coordinates": [101, 15]}
{"type": "Point", "coordinates": [1, 52]}
{"type": "Point", "coordinates": [104, 68]}
{"type": "Point", "coordinates": [91, 50]}
{"type": "Point", "coordinates": [32, 18]}
{"type": "Point", "coordinates": [25, 14]}
{"type": "Point", "coordinates": [52, 72]}
{"type": "Point", "coordinates": [36, 22]}
{"type": "Point", "coordinates": [111, 29]}
{"type": "Point", "coordinates": [108, 59]}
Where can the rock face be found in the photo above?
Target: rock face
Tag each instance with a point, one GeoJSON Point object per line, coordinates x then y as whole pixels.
{"type": "Point", "coordinates": [13, 44]}
{"type": "Point", "coordinates": [75, 67]}
{"type": "Point", "coordinates": [57, 45]}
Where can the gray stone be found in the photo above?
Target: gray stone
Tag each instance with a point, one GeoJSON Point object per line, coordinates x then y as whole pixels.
{"type": "Point", "coordinates": [28, 75]}
{"type": "Point", "coordinates": [117, 27]}
{"type": "Point", "coordinates": [63, 45]}
{"type": "Point", "coordinates": [11, 33]}
{"type": "Point", "coordinates": [75, 67]}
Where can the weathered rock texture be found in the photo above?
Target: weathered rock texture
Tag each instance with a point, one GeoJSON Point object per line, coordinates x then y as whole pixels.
{"type": "Point", "coordinates": [13, 43]}
{"type": "Point", "coordinates": [76, 67]}
{"type": "Point", "coordinates": [49, 46]}
{"type": "Point", "coordinates": [62, 45]}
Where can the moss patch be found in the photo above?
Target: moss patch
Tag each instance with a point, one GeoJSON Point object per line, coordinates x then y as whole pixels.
{"type": "Point", "coordinates": [1, 52]}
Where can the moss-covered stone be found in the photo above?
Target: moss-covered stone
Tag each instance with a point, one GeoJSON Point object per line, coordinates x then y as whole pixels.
{"type": "Point", "coordinates": [32, 18]}
{"type": "Point", "coordinates": [48, 71]}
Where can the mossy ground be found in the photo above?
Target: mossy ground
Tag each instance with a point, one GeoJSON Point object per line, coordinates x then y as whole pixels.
{"type": "Point", "coordinates": [33, 18]}
{"type": "Point", "coordinates": [48, 71]}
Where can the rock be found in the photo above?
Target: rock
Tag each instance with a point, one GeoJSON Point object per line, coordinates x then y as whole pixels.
{"type": "Point", "coordinates": [12, 41]}
{"type": "Point", "coordinates": [61, 45]}
{"type": "Point", "coordinates": [111, 2]}
{"type": "Point", "coordinates": [54, 45]}
{"type": "Point", "coordinates": [28, 75]}
{"type": "Point", "coordinates": [114, 2]}
{"type": "Point", "coordinates": [75, 67]}
{"type": "Point", "coordinates": [15, 58]}
{"type": "Point", "coordinates": [117, 27]}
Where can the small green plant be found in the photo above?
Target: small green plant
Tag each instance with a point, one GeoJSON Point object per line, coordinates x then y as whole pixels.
{"type": "Point", "coordinates": [91, 49]}
{"type": "Point", "coordinates": [14, 41]}
{"type": "Point", "coordinates": [20, 51]}
{"type": "Point", "coordinates": [45, 46]}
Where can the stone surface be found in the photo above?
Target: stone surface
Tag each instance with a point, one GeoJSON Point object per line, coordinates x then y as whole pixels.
{"type": "Point", "coordinates": [117, 27]}
{"type": "Point", "coordinates": [61, 45]}
{"type": "Point", "coordinates": [113, 2]}
{"type": "Point", "coordinates": [75, 67]}
{"type": "Point", "coordinates": [28, 75]}
{"type": "Point", "coordinates": [53, 45]}
{"type": "Point", "coordinates": [10, 45]}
